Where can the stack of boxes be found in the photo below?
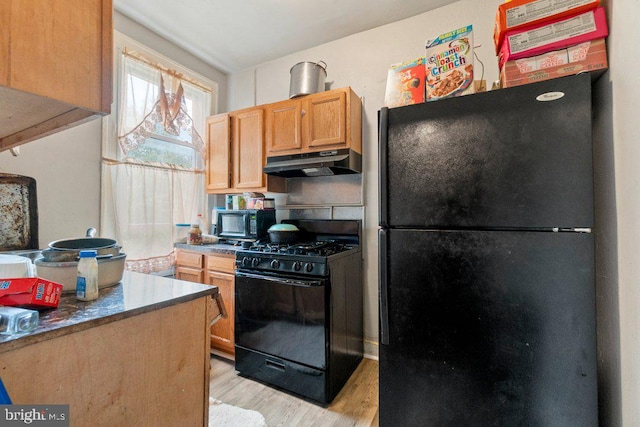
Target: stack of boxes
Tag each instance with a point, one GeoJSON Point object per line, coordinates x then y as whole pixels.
{"type": "Point", "coordinates": [542, 39]}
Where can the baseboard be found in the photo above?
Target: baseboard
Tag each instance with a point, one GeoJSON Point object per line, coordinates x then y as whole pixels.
{"type": "Point", "coordinates": [371, 349]}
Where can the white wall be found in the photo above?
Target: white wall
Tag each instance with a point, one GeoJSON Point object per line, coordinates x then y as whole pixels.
{"type": "Point", "coordinates": [617, 137]}
{"type": "Point", "coordinates": [66, 165]}
{"type": "Point", "coordinates": [361, 61]}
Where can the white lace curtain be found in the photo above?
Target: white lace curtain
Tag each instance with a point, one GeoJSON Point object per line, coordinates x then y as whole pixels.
{"type": "Point", "coordinates": [143, 200]}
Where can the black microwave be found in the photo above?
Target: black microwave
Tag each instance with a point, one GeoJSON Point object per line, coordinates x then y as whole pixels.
{"type": "Point", "coordinates": [244, 224]}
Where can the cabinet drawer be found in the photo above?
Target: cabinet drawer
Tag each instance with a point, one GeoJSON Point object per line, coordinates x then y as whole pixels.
{"type": "Point", "coordinates": [189, 259]}
{"type": "Point", "coordinates": [190, 274]}
{"type": "Point", "coordinates": [221, 262]}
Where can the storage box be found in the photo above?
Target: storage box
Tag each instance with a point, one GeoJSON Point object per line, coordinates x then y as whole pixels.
{"type": "Point", "coordinates": [554, 35]}
{"type": "Point", "coordinates": [449, 64]}
{"type": "Point", "coordinates": [30, 292]}
{"type": "Point", "coordinates": [588, 56]}
{"type": "Point", "coordinates": [405, 83]}
{"type": "Point", "coordinates": [517, 14]}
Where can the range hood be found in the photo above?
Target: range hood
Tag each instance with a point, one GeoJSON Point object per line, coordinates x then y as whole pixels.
{"type": "Point", "coordinates": [322, 163]}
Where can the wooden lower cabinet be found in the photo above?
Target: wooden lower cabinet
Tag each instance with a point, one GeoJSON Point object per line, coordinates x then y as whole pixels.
{"type": "Point", "coordinates": [145, 370]}
{"type": "Point", "coordinates": [216, 270]}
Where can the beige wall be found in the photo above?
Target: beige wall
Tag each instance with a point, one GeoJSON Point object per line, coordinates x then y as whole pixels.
{"type": "Point", "coordinates": [66, 165]}
{"type": "Point", "coordinates": [361, 61]}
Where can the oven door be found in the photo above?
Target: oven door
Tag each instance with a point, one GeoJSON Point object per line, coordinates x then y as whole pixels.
{"type": "Point", "coordinates": [282, 316]}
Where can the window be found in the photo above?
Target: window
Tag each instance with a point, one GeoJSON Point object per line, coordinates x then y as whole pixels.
{"type": "Point", "coordinates": [153, 166]}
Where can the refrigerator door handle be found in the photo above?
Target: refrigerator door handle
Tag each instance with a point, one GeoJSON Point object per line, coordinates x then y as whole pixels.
{"type": "Point", "coordinates": [383, 125]}
{"type": "Point", "coordinates": [383, 297]}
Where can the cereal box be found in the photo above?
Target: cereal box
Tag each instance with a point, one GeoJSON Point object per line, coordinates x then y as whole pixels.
{"type": "Point", "coordinates": [449, 64]}
{"type": "Point", "coordinates": [524, 13]}
{"type": "Point", "coordinates": [590, 56]}
{"type": "Point", "coordinates": [405, 83]}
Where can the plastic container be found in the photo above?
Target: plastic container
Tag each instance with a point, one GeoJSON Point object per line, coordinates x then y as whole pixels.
{"type": "Point", "coordinates": [16, 266]}
{"type": "Point", "coordinates": [87, 279]}
{"type": "Point", "coordinates": [194, 237]}
{"type": "Point", "coordinates": [181, 231]}
{"type": "Point", "coordinates": [15, 320]}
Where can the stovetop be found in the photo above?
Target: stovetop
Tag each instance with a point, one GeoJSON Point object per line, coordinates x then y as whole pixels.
{"type": "Point", "coordinates": [315, 248]}
{"type": "Point", "coordinates": [324, 242]}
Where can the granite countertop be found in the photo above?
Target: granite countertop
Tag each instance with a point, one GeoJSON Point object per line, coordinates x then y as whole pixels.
{"type": "Point", "coordinates": [137, 293]}
{"type": "Point", "coordinates": [214, 248]}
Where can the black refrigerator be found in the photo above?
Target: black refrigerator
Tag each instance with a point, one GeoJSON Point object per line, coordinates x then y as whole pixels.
{"type": "Point", "coordinates": [487, 287]}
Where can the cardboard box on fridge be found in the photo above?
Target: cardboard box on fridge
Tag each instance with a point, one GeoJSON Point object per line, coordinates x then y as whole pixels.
{"type": "Point", "coordinates": [30, 292]}
{"type": "Point", "coordinates": [590, 56]}
{"type": "Point", "coordinates": [405, 83]}
{"type": "Point", "coordinates": [449, 64]}
{"type": "Point", "coordinates": [553, 35]}
{"type": "Point", "coordinates": [515, 14]}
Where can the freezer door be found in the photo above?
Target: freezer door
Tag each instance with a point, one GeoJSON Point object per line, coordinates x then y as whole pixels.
{"type": "Point", "coordinates": [513, 158]}
{"type": "Point", "coordinates": [488, 328]}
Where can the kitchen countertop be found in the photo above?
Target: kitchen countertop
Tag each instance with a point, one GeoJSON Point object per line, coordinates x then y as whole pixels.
{"type": "Point", "coordinates": [215, 248]}
{"type": "Point", "coordinates": [137, 293]}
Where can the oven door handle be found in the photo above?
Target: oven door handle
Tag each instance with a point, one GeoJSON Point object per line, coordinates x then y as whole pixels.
{"type": "Point", "coordinates": [282, 280]}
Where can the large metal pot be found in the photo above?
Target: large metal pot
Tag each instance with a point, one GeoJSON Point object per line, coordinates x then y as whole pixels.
{"type": "Point", "coordinates": [283, 233]}
{"type": "Point", "coordinates": [307, 78]}
{"type": "Point", "coordinates": [69, 249]}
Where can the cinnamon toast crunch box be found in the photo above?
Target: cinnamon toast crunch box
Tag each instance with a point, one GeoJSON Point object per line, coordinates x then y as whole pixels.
{"type": "Point", "coordinates": [449, 64]}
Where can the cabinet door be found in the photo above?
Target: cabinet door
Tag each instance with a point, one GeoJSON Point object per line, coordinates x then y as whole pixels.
{"type": "Point", "coordinates": [326, 116]}
{"type": "Point", "coordinates": [189, 274]}
{"type": "Point", "coordinates": [62, 50]}
{"type": "Point", "coordinates": [222, 332]}
{"type": "Point", "coordinates": [248, 149]}
{"type": "Point", "coordinates": [284, 127]}
{"type": "Point", "coordinates": [218, 168]}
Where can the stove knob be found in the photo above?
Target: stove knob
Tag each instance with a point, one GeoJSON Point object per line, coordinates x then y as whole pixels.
{"type": "Point", "coordinates": [245, 262]}
{"type": "Point", "coordinates": [297, 266]}
{"type": "Point", "coordinates": [308, 267]}
{"type": "Point", "coordinates": [275, 264]}
{"type": "Point", "coordinates": [255, 262]}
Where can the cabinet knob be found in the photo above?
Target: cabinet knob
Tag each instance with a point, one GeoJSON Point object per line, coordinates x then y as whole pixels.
{"type": "Point", "coordinates": [302, 113]}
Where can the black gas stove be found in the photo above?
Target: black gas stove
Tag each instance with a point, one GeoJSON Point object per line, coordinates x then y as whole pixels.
{"type": "Point", "coordinates": [323, 241]}
{"type": "Point", "coordinates": [298, 309]}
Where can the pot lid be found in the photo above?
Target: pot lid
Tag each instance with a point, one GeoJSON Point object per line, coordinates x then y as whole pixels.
{"type": "Point", "coordinates": [283, 227]}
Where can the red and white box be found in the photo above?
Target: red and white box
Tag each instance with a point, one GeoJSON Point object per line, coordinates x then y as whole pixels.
{"type": "Point", "coordinates": [554, 35]}
{"type": "Point", "coordinates": [30, 292]}
{"type": "Point", "coordinates": [517, 14]}
{"type": "Point", "coordinates": [405, 83]}
{"type": "Point", "coordinates": [589, 56]}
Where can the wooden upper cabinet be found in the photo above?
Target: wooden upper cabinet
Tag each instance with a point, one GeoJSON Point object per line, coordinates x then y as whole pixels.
{"type": "Point", "coordinates": [327, 119]}
{"type": "Point", "coordinates": [248, 149]}
{"type": "Point", "coordinates": [236, 153]}
{"type": "Point", "coordinates": [56, 61]}
{"type": "Point", "coordinates": [218, 169]}
{"type": "Point", "coordinates": [318, 122]}
{"type": "Point", "coordinates": [284, 126]}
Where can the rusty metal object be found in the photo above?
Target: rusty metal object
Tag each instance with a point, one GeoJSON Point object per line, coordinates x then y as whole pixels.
{"type": "Point", "coordinates": [19, 213]}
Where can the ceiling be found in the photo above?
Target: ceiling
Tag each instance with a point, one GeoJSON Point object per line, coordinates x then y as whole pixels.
{"type": "Point", "coordinates": [233, 35]}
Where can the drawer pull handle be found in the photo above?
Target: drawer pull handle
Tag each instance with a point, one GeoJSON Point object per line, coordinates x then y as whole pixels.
{"type": "Point", "coordinates": [274, 365]}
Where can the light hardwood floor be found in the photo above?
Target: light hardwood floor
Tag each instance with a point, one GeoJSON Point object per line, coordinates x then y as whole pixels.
{"type": "Point", "coordinates": [355, 405]}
